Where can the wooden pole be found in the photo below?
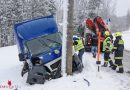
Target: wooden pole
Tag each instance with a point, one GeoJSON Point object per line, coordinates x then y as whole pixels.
{"type": "Point", "coordinates": [70, 28]}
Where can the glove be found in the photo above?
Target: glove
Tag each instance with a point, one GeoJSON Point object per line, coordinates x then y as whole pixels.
{"type": "Point", "coordinates": [107, 50]}
{"type": "Point", "coordinates": [112, 51]}
{"type": "Point", "coordinates": [75, 43]}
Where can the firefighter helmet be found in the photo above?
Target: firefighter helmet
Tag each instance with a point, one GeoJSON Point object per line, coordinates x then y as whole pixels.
{"type": "Point", "coordinates": [117, 34]}
{"type": "Point", "coordinates": [76, 38]}
{"type": "Point", "coordinates": [107, 33]}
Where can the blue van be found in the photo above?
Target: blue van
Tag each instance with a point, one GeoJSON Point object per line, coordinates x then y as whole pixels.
{"type": "Point", "coordinates": [40, 48]}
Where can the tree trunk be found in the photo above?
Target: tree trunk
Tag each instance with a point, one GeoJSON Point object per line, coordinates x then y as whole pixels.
{"type": "Point", "coordinates": [70, 28]}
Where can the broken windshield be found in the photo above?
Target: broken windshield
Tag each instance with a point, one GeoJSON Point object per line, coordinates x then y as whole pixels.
{"type": "Point", "coordinates": [44, 43]}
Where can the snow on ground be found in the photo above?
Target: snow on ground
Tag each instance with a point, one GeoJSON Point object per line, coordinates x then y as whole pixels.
{"type": "Point", "coordinates": [126, 37]}
{"type": "Point", "coordinates": [106, 79]}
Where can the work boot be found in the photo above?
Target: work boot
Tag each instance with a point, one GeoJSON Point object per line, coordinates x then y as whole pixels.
{"type": "Point", "coordinates": [111, 66]}
{"type": "Point", "coordinates": [95, 56]}
{"type": "Point", "coordinates": [121, 70]}
{"type": "Point", "coordinates": [105, 64]}
{"type": "Point", "coordinates": [111, 63]}
{"type": "Point", "coordinates": [114, 67]}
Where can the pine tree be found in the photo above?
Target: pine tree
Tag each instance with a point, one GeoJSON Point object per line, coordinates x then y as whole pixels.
{"type": "Point", "coordinates": [14, 11]}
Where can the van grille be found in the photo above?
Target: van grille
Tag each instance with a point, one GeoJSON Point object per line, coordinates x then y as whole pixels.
{"type": "Point", "coordinates": [55, 65]}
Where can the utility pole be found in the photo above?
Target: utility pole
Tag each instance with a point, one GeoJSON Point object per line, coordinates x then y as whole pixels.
{"type": "Point", "coordinates": [70, 30]}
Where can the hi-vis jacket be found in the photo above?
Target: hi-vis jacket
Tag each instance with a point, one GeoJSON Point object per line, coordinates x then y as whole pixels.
{"type": "Point", "coordinates": [107, 45]}
{"type": "Point", "coordinates": [79, 45]}
{"type": "Point", "coordinates": [119, 48]}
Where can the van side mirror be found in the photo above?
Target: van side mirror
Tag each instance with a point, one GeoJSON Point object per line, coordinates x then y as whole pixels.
{"type": "Point", "coordinates": [21, 57]}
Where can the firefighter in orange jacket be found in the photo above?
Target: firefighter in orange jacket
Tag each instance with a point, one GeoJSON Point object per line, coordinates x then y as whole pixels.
{"type": "Point", "coordinates": [118, 52]}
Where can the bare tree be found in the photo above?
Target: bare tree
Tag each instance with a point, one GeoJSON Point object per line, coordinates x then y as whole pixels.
{"type": "Point", "coordinates": [107, 8]}
{"type": "Point", "coordinates": [93, 8]}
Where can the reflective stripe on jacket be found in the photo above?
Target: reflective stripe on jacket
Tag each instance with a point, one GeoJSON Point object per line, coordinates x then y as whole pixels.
{"type": "Point", "coordinates": [120, 58]}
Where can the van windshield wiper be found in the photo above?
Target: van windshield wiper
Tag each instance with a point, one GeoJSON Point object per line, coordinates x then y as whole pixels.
{"type": "Point", "coordinates": [52, 41]}
{"type": "Point", "coordinates": [44, 44]}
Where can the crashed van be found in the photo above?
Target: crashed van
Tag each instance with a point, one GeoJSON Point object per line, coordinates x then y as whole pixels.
{"type": "Point", "coordinates": [40, 49]}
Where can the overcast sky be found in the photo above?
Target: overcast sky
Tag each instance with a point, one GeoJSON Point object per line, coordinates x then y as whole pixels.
{"type": "Point", "coordinates": [122, 7]}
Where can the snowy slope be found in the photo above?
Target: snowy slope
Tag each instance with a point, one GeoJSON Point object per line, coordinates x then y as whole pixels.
{"type": "Point", "coordinates": [106, 79]}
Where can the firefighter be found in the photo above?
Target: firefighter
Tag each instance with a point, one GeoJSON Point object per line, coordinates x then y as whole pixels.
{"type": "Point", "coordinates": [78, 46]}
{"type": "Point", "coordinates": [118, 52]}
{"type": "Point", "coordinates": [107, 49]}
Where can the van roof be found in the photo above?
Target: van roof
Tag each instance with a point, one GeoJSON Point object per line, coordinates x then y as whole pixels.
{"type": "Point", "coordinates": [33, 28]}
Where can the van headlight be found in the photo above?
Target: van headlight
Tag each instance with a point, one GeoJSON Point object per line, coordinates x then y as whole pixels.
{"type": "Point", "coordinates": [56, 51]}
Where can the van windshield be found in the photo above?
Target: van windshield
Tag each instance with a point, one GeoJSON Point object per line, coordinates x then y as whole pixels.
{"type": "Point", "coordinates": [44, 43]}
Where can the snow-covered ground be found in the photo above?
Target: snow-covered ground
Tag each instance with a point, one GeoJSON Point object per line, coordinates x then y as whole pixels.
{"type": "Point", "coordinates": [126, 37]}
{"type": "Point", "coordinates": [106, 79]}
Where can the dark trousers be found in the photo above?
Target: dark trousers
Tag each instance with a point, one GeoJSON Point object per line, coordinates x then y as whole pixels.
{"type": "Point", "coordinates": [80, 54]}
{"type": "Point", "coordinates": [94, 51]}
{"type": "Point", "coordinates": [118, 63]}
{"type": "Point", "coordinates": [107, 59]}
